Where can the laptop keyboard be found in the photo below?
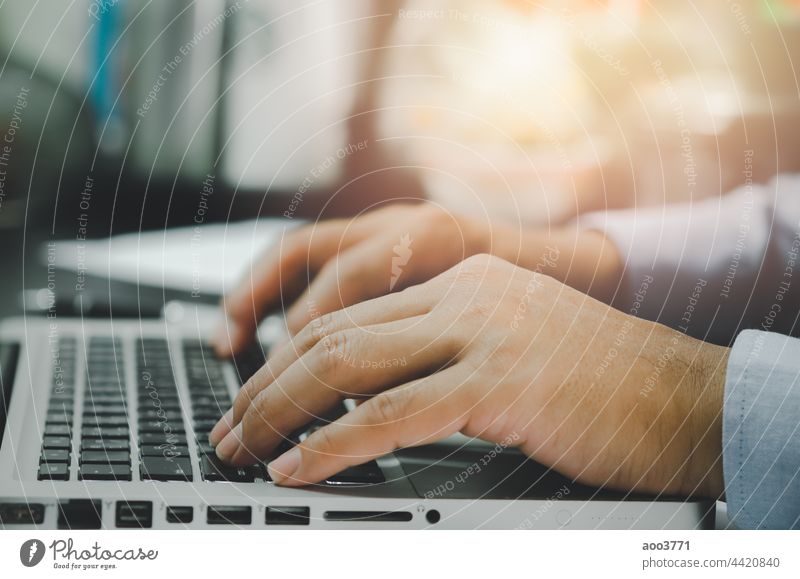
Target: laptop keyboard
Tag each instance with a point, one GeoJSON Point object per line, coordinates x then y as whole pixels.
{"type": "Point", "coordinates": [163, 428]}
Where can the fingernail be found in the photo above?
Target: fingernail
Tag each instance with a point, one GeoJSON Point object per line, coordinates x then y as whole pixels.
{"type": "Point", "coordinates": [221, 428]}
{"type": "Point", "coordinates": [285, 465]}
{"type": "Point", "coordinates": [230, 444]}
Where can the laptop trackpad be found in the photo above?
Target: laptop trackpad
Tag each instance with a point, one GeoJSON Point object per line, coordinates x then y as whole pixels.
{"type": "Point", "coordinates": [461, 469]}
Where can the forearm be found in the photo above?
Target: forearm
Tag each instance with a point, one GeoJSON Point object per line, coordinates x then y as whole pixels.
{"type": "Point", "coordinates": [714, 267]}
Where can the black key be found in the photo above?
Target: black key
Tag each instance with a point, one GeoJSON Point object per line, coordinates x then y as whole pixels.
{"type": "Point", "coordinates": [56, 442]}
{"type": "Point", "coordinates": [173, 406]}
{"type": "Point", "coordinates": [162, 438]}
{"type": "Point", "coordinates": [53, 455]}
{"type": "Point", "coordinates": [164, 469]}
{"type": "Point", "coordinates": [61, 408]}
{"type": "Point", "coordinates": [53, 471]}
{"type": "Point", "coordinates": [107, 444]}
{"type": "Point", "coordinates": [205, 425]}
{"type": "Point", "coordinates": [100, 386]}
{"type": "Point", "coordinates": [57, 430]}
{"type": "Point", "coordinates": [107, 391]}
{"type": "Point", "coordinates": [262, 471]}
{"type": "Point", "coordinates": [104, 472]}
{"type": "Point", "coordinates": [150, 400]}
{"type": "Point", "coordinates": [158, 383]}
{"type": "Point", "coordinates": [58, 418]}
{"type": "Point", "coordinates": [166, 415]}
{"type": "Point", "coordinates": [62, 398]}
{"type": "Point", "coordinates": [101, 421]}
{"type": "Point", "coordinates": [105, 432]}
{"type": "Point", "coordinates": [208, 412]}
{"type": "Point", "coordinates": [105, 457]}
{"type": "Point", "coordinates": [154, 427]}
{"type": "Point", "coordinates": [165, 451]}
{"type": "Point", "coordinates": [368, 473]}
{"type": "Point", "coordinates": [248, 362]}
{"type": "Point", "coordinates": [203, 389]}
{"type": "Point", "coordinates": [104, 400]}
{"type": "Point", "coordinates": [104, 410]}
{"type": "Point", "coordinates": [213, 469]}
{"type": "Point", "coordinates": [202, 401]}
{"type": "Point", "coordinates": [204, 447]}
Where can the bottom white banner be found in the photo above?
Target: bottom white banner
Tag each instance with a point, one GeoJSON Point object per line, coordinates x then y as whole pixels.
{"type": "Point", "coordinates": [353, 554]}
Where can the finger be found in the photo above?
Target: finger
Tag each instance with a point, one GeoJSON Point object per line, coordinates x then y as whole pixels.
{"type": "Point", "coordinates": [282, 272]}
{"type": "Point", "coordinates": [382, 264]}
{"type": "Point", "coordinates": [417, 413]}
{"type": "Point", "coordinates": [354, 363]}
{"type": "Point", "coordinates": [414, 301]}
{"type": "Point", "coordinates": [367, 270]}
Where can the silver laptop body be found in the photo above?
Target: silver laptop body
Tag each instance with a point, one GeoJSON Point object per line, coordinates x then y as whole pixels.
{"type": "Point", "coordinates": [82, 448]}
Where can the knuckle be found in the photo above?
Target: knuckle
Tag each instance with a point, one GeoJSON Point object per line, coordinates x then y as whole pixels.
{"type": "Point", "coordinates": [480, 261]}
{"type": "Point", "coordinates": [258, 411]}
{"type": "Point", "coordinates": [475, 269]}
{"type": "Point", "coordinates": [318, 329]}
{"type": "Point", "coordinates": [321, 442]}
{"type": "Point", "coordinates": [388, 407]}
{"type": "Point", "coordinates": [329, 353]}
{"type": "Point", "coordinates": [326, 324]}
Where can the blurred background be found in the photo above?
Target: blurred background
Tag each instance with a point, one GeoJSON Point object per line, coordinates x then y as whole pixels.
{"type": "Point", "coordinates": [129, 115]}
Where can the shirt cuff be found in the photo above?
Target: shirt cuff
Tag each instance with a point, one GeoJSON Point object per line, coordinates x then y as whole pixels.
{"type": "Point", "coordinates": [761, 432]}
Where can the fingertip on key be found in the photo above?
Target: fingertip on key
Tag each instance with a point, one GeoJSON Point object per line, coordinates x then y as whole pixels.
{"type": "Point", "coordinates": [221, 428]}
{"type": "Point", "coordinates": [229, 446]}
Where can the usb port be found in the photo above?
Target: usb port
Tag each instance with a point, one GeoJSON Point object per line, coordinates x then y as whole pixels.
{"type": "Point", "coordinates": [80, 514]}
{"type": "Point", "coordinates": [288, 515]}
{"type": "Point", "coordinates": [134, 514]}
{"type": "Point", "coordinates": [229, 515]}
{"type": "Point", "coordinates": [180, 514]}
{"type": "Point", "coordinates": [21, 514]}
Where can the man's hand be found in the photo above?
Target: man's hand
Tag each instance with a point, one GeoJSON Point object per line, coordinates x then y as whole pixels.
{"type": "Point", "coordinates": [324, 267]}
{"type": "Point", "coordinates": [500, 353]}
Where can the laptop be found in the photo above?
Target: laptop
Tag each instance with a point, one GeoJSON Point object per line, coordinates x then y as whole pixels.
{"type": "Point", "coordinates": [105, 425]}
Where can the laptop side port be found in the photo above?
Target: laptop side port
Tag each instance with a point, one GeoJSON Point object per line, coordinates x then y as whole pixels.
{"type": "Point", "coordinates": [368, 516]}
{"type": "Point", "coordinates": [134, 514]}
{"type": "Point", "coordinates": [217, 515]}
{"type": "Point", "coordinates": [80, 514]}
{"type": "Point", "coordinates": [21, 514]}
{"type": "Point", "coordinates": [288, 515]}
{"type": "Point", "coordinates": [183, 515]}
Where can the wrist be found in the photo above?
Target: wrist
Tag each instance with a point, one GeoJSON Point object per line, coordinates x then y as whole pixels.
{"type": "Point", "coordinates": [706, 398]}
{"type": "Point", "coordinates": [583, 259]}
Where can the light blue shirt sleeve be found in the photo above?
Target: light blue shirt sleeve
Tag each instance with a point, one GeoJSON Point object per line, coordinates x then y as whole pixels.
{"type": "Point", "coordinates": [761, 432]}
